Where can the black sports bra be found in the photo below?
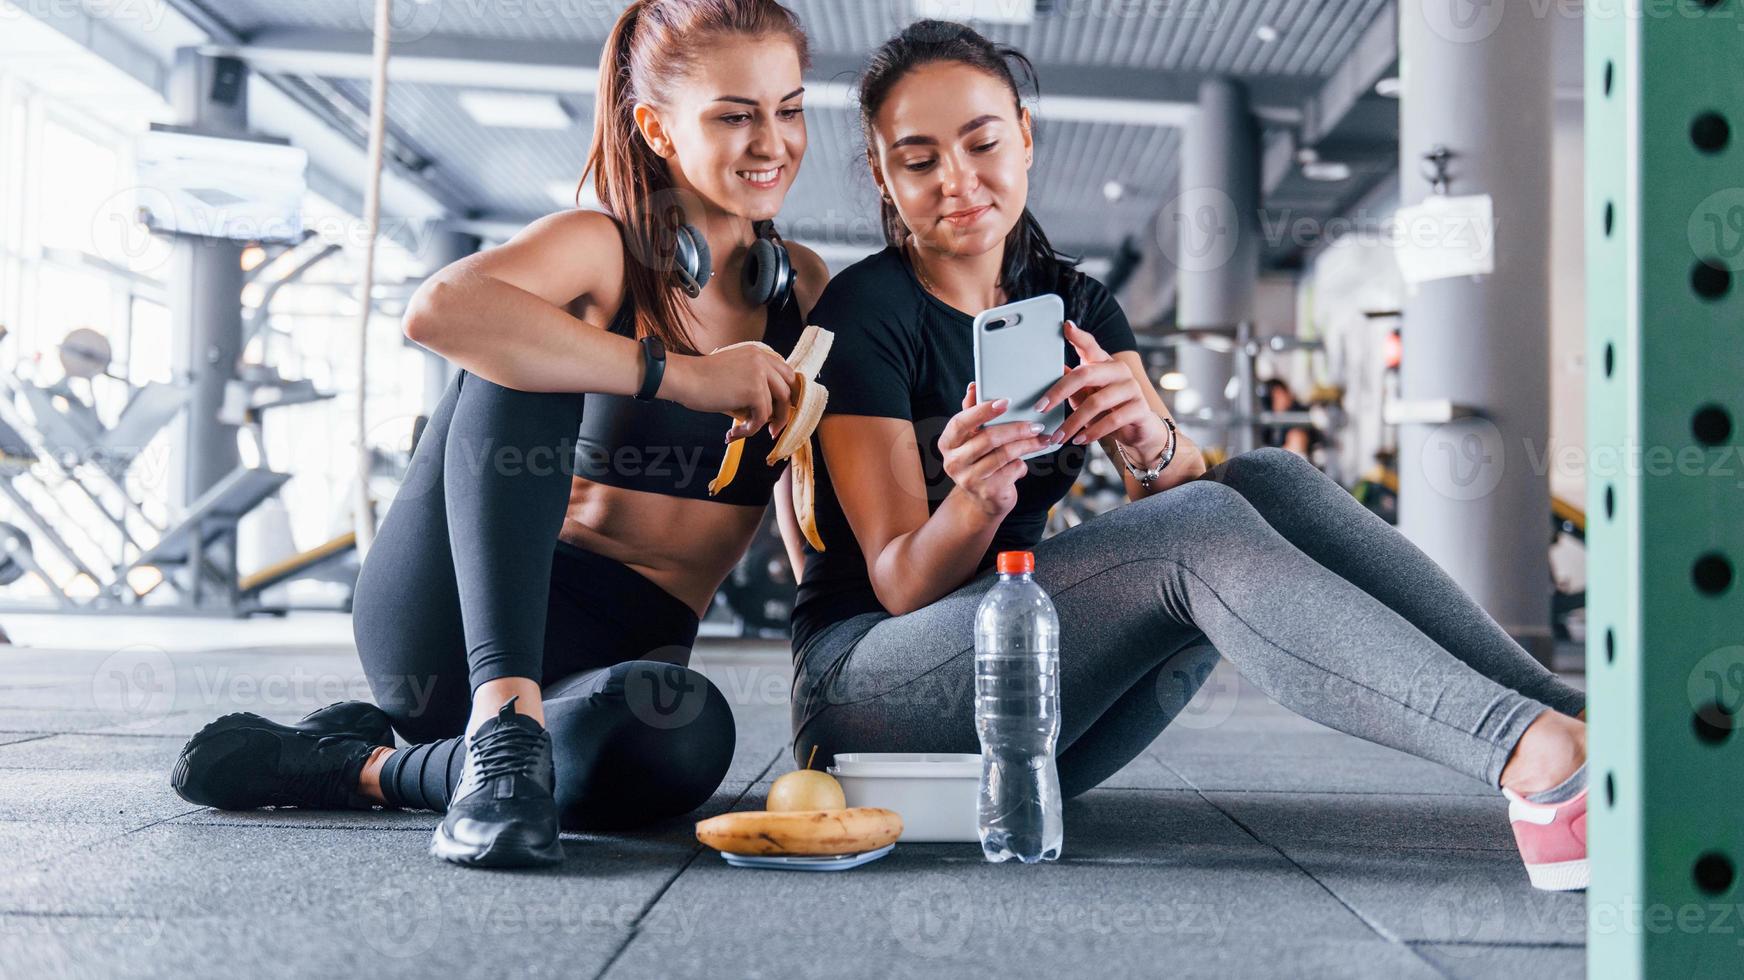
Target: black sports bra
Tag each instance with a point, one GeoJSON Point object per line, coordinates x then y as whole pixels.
{"type": "Point", "coordinates": [663, 447]}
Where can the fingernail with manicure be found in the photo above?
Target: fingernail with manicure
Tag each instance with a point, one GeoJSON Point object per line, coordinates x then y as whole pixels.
{"type": "Point", "coordinates": [1035, 428]}
{"type": "Point", "coordinates": [1042, 405]}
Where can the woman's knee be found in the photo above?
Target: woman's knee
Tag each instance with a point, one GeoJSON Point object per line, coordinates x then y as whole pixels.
{"type": "Point", "coordinates": [1276, 458]}
{"type": "Point", "coordinates": [1267, 463]}
{"type": "Point", "coordinates": [654, 741]}
{"type": "Point", "coordinates": [1194, 495]}
{"type": "Point", "coordinates": [519, 414]}
{"type": "Point", "coordinates": [1198, 506]}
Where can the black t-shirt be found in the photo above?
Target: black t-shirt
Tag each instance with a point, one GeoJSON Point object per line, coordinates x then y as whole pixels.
{"type": "Point", "coordinates": [902, 353]}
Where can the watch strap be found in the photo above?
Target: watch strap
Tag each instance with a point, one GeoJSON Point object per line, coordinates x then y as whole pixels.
{"type": "Point", "coordinates": [653, 367]}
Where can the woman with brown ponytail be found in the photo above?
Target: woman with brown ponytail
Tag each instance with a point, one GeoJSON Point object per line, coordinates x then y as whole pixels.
{"type": "Point", "coordinates": [1261, 558]}
{"type": "Point", "coordinates": [526, 613]}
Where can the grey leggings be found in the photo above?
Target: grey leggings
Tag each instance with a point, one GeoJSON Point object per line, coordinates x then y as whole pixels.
{"type": "Point", "coordinates": [1265, 560]}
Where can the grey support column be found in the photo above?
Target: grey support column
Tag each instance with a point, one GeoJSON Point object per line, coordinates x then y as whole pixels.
{"type": "Point", "coordinates": [1218, 253]}
{"type": "Point", "coordinates": [205, 287]}
{"type": "Point", "coordinates": [1473, 492]}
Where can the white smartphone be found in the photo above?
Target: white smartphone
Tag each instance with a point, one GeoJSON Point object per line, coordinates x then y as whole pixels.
{"type": "Point", "coordinates": [1020, 351]}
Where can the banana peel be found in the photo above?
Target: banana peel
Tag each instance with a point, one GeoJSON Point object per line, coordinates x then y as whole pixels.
{"type": "Point", "coordinates": [806, 409]}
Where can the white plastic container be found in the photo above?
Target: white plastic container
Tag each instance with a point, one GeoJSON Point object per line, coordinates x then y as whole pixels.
{"type": "Point", "coordinates": [936, 793]}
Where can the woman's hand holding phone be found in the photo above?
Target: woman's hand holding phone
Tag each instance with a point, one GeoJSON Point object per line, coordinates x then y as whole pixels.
{"type": "Point", "coordinates": [1105, 398]}
{"type": "Point", "coordinates": [985, 463]}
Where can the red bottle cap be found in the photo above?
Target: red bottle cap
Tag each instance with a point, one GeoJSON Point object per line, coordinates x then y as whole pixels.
{"type": "Point", "coordinates": [1016, 562]}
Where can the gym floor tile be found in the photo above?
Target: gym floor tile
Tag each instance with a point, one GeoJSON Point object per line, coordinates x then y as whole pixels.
{"type": "Point", "coordinates": [1246, 841]}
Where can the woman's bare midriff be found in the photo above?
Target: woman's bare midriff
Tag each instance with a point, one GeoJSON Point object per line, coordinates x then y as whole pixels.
{"type": "Point", "coordinates": [685, 546]}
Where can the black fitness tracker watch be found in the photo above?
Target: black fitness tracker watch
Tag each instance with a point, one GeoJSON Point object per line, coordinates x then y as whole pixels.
{"type": "Point", "coordinates": [653, 367]}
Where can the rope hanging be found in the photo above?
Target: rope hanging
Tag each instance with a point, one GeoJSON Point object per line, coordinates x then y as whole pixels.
{"type": "Point", "coordinates": [363, 511]}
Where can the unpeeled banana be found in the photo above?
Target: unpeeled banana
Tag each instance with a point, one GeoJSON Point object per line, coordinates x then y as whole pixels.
{"type": "Point", "coordinates": [851, 830]}
{"type": "Point", "coordinates": [806, 409]}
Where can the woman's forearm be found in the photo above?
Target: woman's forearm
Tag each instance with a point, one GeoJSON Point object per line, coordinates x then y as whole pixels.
{"type": "Point", "coordinates": [513, 338]}
{"type": "Point", "coordinates": [925, 564]}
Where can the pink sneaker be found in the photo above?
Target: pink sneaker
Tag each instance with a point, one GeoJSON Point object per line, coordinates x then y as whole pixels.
{"type": "Point", "coordinates": [1553, 841]}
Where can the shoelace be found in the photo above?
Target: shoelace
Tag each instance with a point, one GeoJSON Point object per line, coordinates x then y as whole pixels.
{"type": "Point", "coordinates": [506, 750]}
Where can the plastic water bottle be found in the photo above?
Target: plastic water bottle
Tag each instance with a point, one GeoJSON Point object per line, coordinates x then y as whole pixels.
{"type": "Point", "coordinates": [1017, 714]}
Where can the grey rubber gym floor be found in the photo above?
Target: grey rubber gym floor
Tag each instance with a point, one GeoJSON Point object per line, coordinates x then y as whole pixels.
{"type": "Point", "coordinates": [1246, 842]}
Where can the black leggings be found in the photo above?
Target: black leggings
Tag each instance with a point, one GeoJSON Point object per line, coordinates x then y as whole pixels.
{"type": "Point", "coordinates": [467, 582]}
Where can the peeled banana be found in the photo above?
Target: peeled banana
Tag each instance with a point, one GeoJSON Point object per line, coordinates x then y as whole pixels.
{"type": "Point", "coordinates": [850, 830]}
{"type": "Point", "coordinates": [806, 409]}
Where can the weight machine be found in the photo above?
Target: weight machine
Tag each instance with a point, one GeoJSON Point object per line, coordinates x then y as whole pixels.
{"type": "Point", "coordinates": [1241, 419]}
{"type": "Point", "coordinates": [65, 473]}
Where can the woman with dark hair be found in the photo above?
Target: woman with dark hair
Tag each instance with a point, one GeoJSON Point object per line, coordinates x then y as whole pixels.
{"type": "Point", "coordinates": [1261, 559]}
{"type": "Point", "coordinates": [527, 611]}
{"type": "Point", "coordinates": [1274, 395]}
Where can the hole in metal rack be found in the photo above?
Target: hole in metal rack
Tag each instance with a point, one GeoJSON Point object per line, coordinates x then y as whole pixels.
{"type": "Point", "coordinates": [1710, 279]}
{"type": "Point", "coordinates": [1711, 425]}
{"type": "Point", "coordinates": [1714, 873]}
{"type": "Point", "coordinates": [1713, 723]}
{"type": "Point", "coordinates": [1712, 573]}
{"type": "Point", "coordinates": [1710, 132]}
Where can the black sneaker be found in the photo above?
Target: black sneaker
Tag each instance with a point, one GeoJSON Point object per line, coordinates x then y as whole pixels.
{"type": "Point", "coordinates": [243, 761]}
{"type": "Point", "coordinates": [503, 814]}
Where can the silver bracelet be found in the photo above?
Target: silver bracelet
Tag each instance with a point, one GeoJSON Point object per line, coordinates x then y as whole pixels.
{"type": "Point", "coordinates": [1146, 477]}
